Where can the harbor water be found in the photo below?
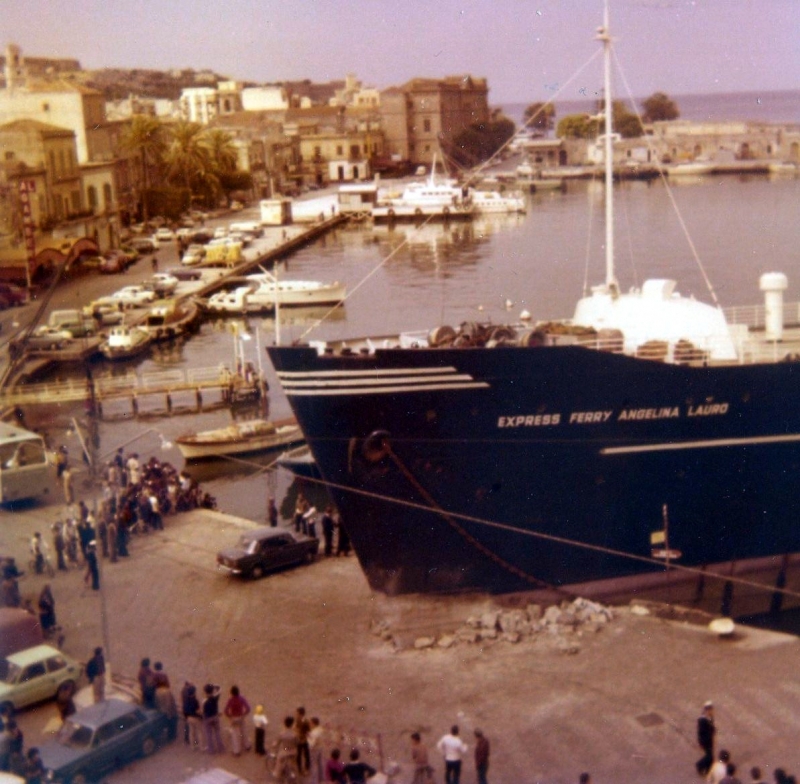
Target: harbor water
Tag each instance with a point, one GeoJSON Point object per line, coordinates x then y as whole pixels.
{"type": "Point", "coordinates": [410, 278]}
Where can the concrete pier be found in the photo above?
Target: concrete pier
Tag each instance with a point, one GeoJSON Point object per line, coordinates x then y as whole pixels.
{"type": "Point", "coordinates": [620, 702]}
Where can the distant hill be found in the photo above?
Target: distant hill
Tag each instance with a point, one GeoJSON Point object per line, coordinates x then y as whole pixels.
{"type": "Point", "coordinates": [119, 83]}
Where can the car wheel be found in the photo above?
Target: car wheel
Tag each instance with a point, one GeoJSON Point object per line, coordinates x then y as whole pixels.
{"type": "Point", "coordinates": [79, 778]}
{"type": "Point", "coordinates": [148, 747]}
{"type": "Point", "coordinates": [257, 572]}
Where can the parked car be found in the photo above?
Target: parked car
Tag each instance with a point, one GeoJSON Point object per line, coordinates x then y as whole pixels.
{"type": "Point", "coordinates": [264, 549]}
{"type": "Point", "coordinates": [220, 232]}
{"type": "Point", "coordinates": [102, 737]}
{"type": "Point", "coordinates": [74, 321]}
{"type": "Point", "coordinates": [113, 262]}
{"type": "Point", "coordinates": [164, 234]}
{"type": "Point", "coordinates": [131, 253]}
{"type": "Point", "coordinates": [105, 314]}
{"type": "Point", "coordinates": [163, 284]}
{"type": "Point", "coordinates": [181, 273]}
{"type": "Point", "coordinates": [144, 244]}
{"type": "Point", "coordinates": [194, 255]}
{"type": "Point", "coordinates": [47, 338]}
{"type": "Point", "coordinates": [202, 236]}
{"type": "Point", "coordinates": [134, 296]}
{"type": "Point", "coordinates": [35, 675]}
{"type": "Point", "coordinates": [11, 295]}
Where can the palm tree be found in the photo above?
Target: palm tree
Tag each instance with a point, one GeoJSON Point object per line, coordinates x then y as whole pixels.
{"type": "Point", "coordinates": [222, 150]}
{"type": "Point", "coordinates": [187, 155]}
{"type": "Point", "coordinates": [145, 137]}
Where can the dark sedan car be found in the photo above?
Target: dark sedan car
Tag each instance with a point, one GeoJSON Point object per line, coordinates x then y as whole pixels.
{"type": "Point", "coordinates": [265, 549]}
{"type": "Point", "coordinates": [100, 738]}
{"type": "Point", "coordinates": [12, 295]}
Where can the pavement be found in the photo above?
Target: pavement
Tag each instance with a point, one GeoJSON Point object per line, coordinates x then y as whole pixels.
{"type": "Point", "coordinates": [620, 701]}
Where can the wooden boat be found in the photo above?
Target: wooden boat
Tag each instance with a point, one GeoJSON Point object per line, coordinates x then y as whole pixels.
{"type": "Point", "coordinates": [125, 342]}
{"type": "Point", "coordinates": [256, 435]}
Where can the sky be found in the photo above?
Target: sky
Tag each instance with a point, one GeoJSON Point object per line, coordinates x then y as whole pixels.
{"type": "Point", "coordinates": [528, 50]}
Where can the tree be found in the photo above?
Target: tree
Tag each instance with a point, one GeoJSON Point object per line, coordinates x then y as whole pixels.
{"type": "Point", "coordinates": [540, 116]}
{"type": "Point", "coordinates": [222, 150]}
{"type": "Point", "coordinates": [145, 137]}
{"type": "Point", "coordinates": [659, 106]}
{"type": "Point", "coordinates": [578, 126]}
{"type": "Point", "coordinates": [624, 122]}
{"type": "Point", "coordinates": [188, 157]}
{"type": "Point", "coordinates": [480, 141]}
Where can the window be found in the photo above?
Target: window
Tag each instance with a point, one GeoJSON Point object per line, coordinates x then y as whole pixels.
{"type": "Point", "coordinates": [107, 196]}
{"type": "Point", "coordinates": [339, 149]}
{"type": "Point", "coordinates": [105, 733]}
{"type": "Point", "coordinates": [92, 196]}
{"type": "Point", "coordinates": [32, 671]}
{"type": "Point", "coordinates": [426, 125]}
{"type": "Point", "coordinates": [56, 663]}
{"type": "Point", "coordinates": [9, 156]}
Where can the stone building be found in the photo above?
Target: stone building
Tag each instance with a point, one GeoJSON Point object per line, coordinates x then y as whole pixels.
{"type": "Point", "coordinates": [426, 113]}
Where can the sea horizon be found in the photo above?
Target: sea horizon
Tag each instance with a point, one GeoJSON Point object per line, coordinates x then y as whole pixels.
{"type": "Point", "coordinates": [771, 106]}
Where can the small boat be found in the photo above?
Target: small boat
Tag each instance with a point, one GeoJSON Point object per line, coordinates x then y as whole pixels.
{"type": "Point", "coordinates": [300, 462]}
{"type": "Point", "coordinates": [429, 199]}
{"type": "Point", "coordinates": [256, 435]}
{"type": "Point", "coordinates": [171, 319]}
{"type": "Point", "coordinates": [696, 168]}
{"type": "Point", "coordinates": [260, 292]}
{"type": "Point", "coordinates": [125, 342]}
{"type": "Point", "coordinates": [497, 202]}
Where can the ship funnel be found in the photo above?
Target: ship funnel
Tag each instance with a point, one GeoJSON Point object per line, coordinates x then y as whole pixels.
{"type": "Point", "coordinates": [773, 284]}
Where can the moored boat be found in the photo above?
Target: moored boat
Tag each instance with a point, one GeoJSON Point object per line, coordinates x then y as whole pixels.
{"type": "Point", "coordinates": [257, 435]}
{"type": "Point", "coordinates": [300, 462]}
{"type": "Point", "coordinates": [503, 458]}
{"type": "Point", "coordinates": [124, 342]}
{"type": "Point", "coordinates": [171, 319]}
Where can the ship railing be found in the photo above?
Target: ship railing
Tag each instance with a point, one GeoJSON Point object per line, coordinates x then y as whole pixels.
{"type": "Point", "coordinates": [754, 316]}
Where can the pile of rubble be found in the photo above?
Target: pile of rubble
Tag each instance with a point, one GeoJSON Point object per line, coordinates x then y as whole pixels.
{"type": "Point", "coordinates": [562, 625]}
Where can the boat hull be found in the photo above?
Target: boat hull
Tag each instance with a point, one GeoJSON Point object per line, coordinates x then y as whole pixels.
{"type": "Point", "coordinates": [216, 444]}
{"type": "Point", "coordinates": [517, 468]}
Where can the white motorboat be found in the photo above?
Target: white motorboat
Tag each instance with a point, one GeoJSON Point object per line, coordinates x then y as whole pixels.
{"type": "Point", "coordinates": [257, 435]}
{"type": "Point", "coordinates": [125, 342]}
{"type": "Point", "coordinates": [497, 202]}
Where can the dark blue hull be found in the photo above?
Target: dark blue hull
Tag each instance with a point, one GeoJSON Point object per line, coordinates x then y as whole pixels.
{"type": "Point", "coordinates": [510, 468]}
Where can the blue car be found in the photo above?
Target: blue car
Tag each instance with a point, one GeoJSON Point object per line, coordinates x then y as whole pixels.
{"type": "Point", "coordinates": [101, 738]}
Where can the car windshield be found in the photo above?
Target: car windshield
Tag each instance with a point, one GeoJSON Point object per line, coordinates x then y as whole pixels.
{"type": "Point", "coordinates": [76, 736]}
{"type": "Point", "coordinates": [249, 545]}
{"type": "Point", "coordinates": [9, 672]}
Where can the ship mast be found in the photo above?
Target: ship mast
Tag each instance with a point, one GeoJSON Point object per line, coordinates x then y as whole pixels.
{"type": "Point", "coordinates": [604, 35]}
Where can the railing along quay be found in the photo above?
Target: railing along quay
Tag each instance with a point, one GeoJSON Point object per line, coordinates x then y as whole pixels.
{"type": "Point", "coordinates": [231, 387]}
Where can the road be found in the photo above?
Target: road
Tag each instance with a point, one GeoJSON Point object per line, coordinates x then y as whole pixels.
{"type": "Point", "coordinates": [621, 703]}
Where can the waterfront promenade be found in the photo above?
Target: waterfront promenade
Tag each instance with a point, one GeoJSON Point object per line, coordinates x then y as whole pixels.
{"type": "Point", "coordinates": [621, 703]}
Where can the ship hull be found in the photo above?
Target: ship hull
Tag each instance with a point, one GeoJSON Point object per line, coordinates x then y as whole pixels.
{"type": "Point", "coordinates": [509, 469]}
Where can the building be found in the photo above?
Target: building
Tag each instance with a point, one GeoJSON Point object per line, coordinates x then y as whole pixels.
{"type": "Point", "coordinates": [203, 104]}
{"type": "Point", "coordinates": [424, 114]}
{"type": "Point", "coordinates": [265, 98]}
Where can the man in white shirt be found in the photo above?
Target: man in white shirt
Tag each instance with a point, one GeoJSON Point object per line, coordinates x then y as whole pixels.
{"type": "Point", "coordinates": [453, 749]}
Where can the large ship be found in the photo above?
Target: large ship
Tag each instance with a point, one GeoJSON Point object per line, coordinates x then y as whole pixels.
{"type": "Point", "coordinates": [646, 444]}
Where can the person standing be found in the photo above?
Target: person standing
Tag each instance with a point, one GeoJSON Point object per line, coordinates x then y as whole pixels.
{"type": "Point", "coordinates": [192, 716]}
{"type": "Point", "coordinates": [272, 513]}
{"type": "Point", "coordinates": [236, 709]}
{"type": "Point", "coordinates": [481, 756]}
{"type": "Point", "coordinates": [260, 722]}
{"type": "Point", "coordinates": [705, 739]}
{"type": "Point", "coordinates": [92, 567]}
{"type": "Point", "coordinates": [37, 552]}
{"type": "Point", "coordinates": [147, 684]}
{"type": "Point", "coordinates": [47, 610]}
{"type": "Point", "coordinates": [59, 546]}
{"type": "Point", "coordinates": [358, 772]}
{"type": "Point", "coordinates": [334, 768]}
{"type": "Point", "coordinates": [210, 710]}
{"type": "Point", "coordinates": [423, 772]}
{"type": "Point", "coordinates": [96, 673]}
{"type": "Point", "coordinates": [301, 729]}
{"type": "Point", "coordinates": [113, 540]}
{"type": "Point", "coordinates": [452, 749]}
{"type": "Point", "coordinates": [719, 769]}
{"type": "Point", "coordinates": [327, 530]}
